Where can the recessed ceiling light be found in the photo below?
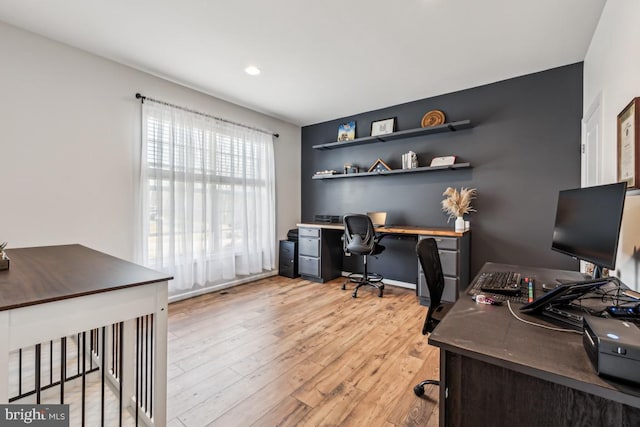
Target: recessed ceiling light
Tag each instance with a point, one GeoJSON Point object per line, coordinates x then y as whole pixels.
{"type": "Point", "coordinates": [252, 70]}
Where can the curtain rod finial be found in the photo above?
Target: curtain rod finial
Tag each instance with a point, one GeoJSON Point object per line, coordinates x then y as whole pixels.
{"type": "Point", "coordinates": [140, 97]}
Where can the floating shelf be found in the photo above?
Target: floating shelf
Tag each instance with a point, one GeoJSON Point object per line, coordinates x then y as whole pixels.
{"type": "Point", "coordinates": [410, 133]}
{"type": "Point", "coordinates": [395, 171]}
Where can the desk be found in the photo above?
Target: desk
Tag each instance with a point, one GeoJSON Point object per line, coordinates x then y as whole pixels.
{"type": "Point", "coordinates": [321, 256]}
{"type": "Point", "coordinates": [496, 370]}
{"type": "Point", "coordinates": [393, 229]}
{"type": "Point", "coordinates": [56, 292]}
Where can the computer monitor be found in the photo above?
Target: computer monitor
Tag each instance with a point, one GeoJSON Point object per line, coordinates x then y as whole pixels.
{"type": "Point", "coordinates": [588, 222]}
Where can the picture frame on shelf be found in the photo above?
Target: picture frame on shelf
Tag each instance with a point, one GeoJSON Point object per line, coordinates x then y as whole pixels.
{"type": "Point", "coordinates": [347, 131]}
{"type": "Point", "coordinates": [628, 125]}
{"type": "Point", "coordinates": [383, 127]}
{"type": "Point", "coordinates": [350, 168]}
{"type": "Point", "coordinates": [443, 161]}
{"type": "Point", "coordinates": [379, 166]}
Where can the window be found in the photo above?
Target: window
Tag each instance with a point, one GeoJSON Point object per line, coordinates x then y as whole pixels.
{"type": "Point", "coordinates": [208, 191]}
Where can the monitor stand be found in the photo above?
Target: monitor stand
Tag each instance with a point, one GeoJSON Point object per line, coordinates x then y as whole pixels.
{"type": "Point", "coordinates": [565, 316]}
{"type": "Point", "coordinates": [597, 272]}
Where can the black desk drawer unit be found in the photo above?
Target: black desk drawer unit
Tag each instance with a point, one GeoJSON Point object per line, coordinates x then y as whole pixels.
{"type": "Point", "coordinates": [320, 253]}
{"type": "Point", "coordinates": [454, 257]}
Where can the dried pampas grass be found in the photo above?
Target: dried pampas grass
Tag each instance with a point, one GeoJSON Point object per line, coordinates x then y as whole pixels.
{"type": "Point", "coordinates": [458, 203]}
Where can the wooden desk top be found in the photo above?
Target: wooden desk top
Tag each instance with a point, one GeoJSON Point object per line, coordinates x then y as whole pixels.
{"type": "Point", "coordinates": [394, 229]}
{"type": "Point", "coordinates": [43, 274]}
{"type": "Point", "coordinates": [491, 334]}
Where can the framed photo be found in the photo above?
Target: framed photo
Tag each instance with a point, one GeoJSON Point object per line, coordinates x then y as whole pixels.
{"type": "Point", "coordinates": [443, 161]}
{"type": "Point", "coordinates": [347, 132]}
{"type": "Point", "coordinates": [383, 127]}
{"type": "Point", "coordinates": [350, 168]}
{"type": "Point", "coordinates": [629, 144]}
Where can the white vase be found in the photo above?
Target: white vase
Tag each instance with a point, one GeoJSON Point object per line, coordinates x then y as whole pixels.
{"type": "Point", "coordinates": [459, 224]}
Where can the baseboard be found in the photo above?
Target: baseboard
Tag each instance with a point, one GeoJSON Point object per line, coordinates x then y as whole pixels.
{"type": "Point", "coordinates": [214, 288]}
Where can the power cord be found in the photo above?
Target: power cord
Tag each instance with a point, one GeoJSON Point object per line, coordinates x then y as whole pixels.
{"type": "Point", "coordinates": [540, 325]}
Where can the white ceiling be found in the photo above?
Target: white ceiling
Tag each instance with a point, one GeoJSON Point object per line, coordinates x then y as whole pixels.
{"type": "Point", "coordinates": [321, 59]}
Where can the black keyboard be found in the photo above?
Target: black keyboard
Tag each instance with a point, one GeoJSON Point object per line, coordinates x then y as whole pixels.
{"type": "Point", "coordinates": [504, 285]}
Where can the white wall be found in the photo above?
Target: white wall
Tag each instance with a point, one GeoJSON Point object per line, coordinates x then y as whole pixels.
{"type": "Point", "coordinates": [69, 135]}
{"type": "Point", "coordinates": [612, 67]}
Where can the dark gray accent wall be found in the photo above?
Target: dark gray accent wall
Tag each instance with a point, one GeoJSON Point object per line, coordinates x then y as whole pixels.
{"type": "Point", "coordinates": [524, 147]}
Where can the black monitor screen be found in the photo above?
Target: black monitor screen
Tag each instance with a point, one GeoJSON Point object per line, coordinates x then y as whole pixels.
{"type": "Point", "coordinates": [588, 223]}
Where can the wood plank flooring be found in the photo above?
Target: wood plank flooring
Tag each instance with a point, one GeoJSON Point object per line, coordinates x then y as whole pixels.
{"type": "Point", "coordinates": [289, 352]}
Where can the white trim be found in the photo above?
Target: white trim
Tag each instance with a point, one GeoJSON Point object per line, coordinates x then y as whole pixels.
{"type": "Point", "coordinates": [39, 323]}
{"type": "Point", "coordinates": [4, 357]}
{"type": "Point", "coordinates": [203, 291]}
{"type": "Point", "coordinates": [586, 152]}
{"type": "Point", "coordinates": [25, 326]}
{"type": "Point", "coordinates": [128, 365]}
{"type": "Point", "coordinates": [160, 321]}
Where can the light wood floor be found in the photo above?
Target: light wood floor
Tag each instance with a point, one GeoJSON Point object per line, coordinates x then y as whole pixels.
{"type": "Point", "coordinates": [289, 352]}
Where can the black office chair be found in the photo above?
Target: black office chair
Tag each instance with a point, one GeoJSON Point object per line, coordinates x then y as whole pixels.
{"type": "Point", "coordinates": [360, 239]}
{"type": "Point", "coordinates": [427, 251]}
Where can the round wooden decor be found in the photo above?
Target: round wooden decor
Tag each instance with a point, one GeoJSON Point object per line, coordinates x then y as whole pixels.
{"type": "Point", "coordinates": [432, 118]}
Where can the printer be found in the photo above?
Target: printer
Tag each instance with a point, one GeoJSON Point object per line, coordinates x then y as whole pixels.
{"type": "Point", "coordinates": [614, 347]}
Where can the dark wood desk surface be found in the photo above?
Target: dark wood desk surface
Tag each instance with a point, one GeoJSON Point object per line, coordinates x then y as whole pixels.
{"type": "Point", "coordinates": [491, 334]}
{"type": "Point", "coordinates": [49, 273]}
{"type": "Point", "coordinates": [394, 229]}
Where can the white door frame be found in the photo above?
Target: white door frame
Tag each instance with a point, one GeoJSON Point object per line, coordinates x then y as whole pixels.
{"type": "Point", "coordinates": [591, 145]}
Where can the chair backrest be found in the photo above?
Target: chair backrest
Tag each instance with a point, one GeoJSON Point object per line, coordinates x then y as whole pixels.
{"type": "Point", "coordinates": [359, 234]}
{"type": "Point", "coordinates": [427, 250]}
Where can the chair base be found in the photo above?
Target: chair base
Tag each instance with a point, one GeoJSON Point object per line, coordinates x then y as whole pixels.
{"type": "Point", "coordinates": [371, 279]}
{"type": "Point", "coordinates": [419, 389]}
{"type": "Point", "coordinates": [359, 277]}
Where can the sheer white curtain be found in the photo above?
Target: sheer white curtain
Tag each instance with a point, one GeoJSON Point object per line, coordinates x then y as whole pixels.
{"type": "Point", "coordinates": [208, 198]}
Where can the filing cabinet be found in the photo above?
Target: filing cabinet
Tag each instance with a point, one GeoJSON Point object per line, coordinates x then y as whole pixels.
{"type": "Point", "coordinates": [319, 253]}
{"type": "Point", "coordinates": [454, 257]}
{"type": "Point", "coordinates": [288, 259]}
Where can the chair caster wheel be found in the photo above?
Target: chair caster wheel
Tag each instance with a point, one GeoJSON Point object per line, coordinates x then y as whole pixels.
{"type": "Point", "coordinates": [344, 287]}
{"type": "Point", "coordinates": [419, 390]}
{"type": "Point", "coordinates": [354, 295]}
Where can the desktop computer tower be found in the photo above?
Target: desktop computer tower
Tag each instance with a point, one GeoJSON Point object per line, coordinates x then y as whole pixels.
{"type": "Point", "coordinates": [288, 264]}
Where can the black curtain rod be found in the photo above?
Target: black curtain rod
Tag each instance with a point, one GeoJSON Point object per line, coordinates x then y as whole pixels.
{"type": "Point", "coordinates": [142, 98]}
